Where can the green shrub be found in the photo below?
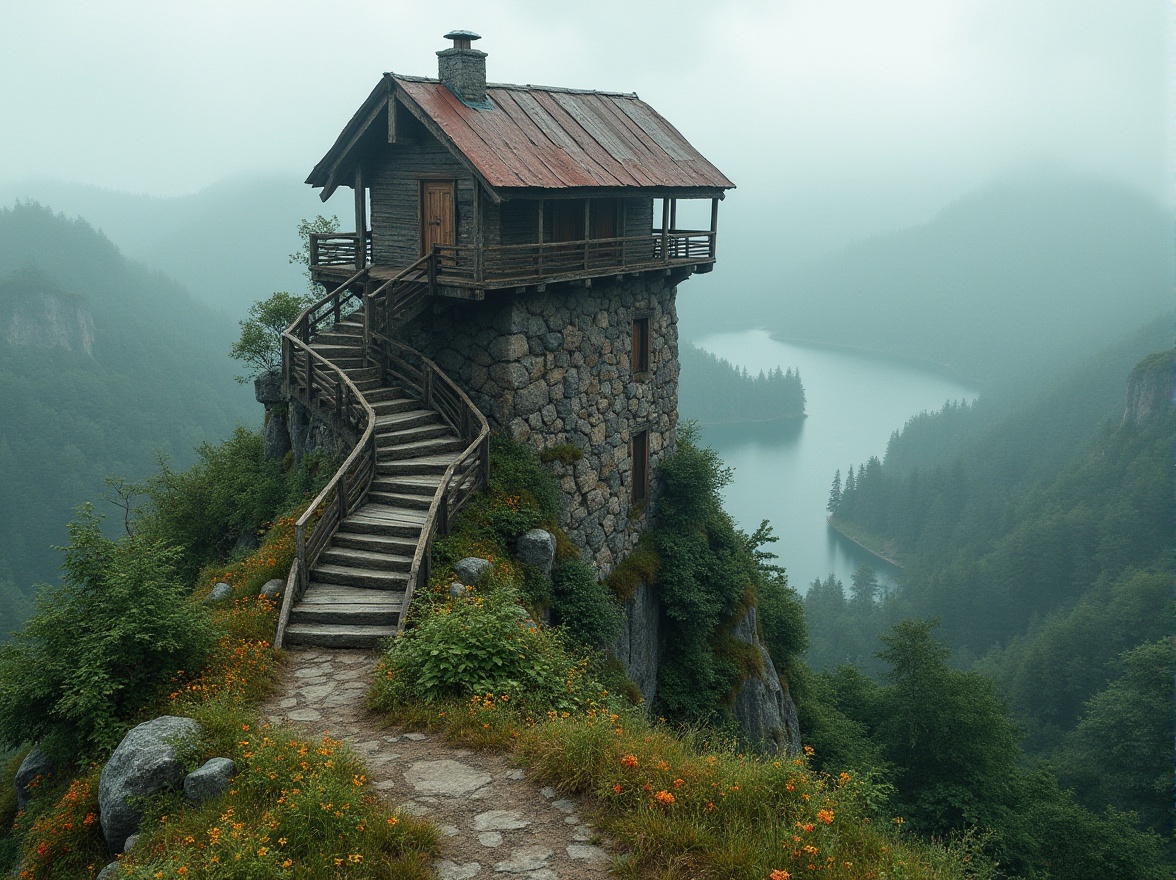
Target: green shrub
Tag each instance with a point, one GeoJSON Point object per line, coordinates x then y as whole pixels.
{"type": "Point", "coordinates": [639, 567]}
{"type": "Point", "coordinates": [582, 606]}
{"type": "Point", "coordinates": [564, 453]}
{"type": "Point", "coordinates": [99, 647]}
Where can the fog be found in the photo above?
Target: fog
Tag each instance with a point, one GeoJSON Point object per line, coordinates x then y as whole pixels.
{"type": "Point", "coordinates": [837, 119]}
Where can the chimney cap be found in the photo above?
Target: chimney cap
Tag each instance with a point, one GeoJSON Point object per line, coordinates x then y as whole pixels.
{"type": "Point", "coordinates": [465, 36]}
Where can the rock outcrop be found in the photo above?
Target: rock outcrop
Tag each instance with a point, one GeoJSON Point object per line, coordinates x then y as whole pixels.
{"type": "Point", "coordinates": [763, 708]}
{"type": "Point", "coordinates": [35, 764]}
{"type": "Point", "coordinates": [1150, 388]}
{"type": "Point", "coordinates": [638, 646]}
{"type": "Point", "coordinates": [144, 764]}
{"type": "Point", "coordinates": [36, 313]}
{"type": "Point", "coordinates": [537, 548]}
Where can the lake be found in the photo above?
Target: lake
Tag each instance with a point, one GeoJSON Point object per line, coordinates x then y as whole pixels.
{"type": "Point", "coordinates": [783, 469]}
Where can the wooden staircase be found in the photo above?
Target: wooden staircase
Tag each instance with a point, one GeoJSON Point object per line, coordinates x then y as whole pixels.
{"type": "Point", "coordinates": [357, 587]}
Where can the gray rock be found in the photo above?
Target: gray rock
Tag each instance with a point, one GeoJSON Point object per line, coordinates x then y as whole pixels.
{"type": "Point", "coordinates": [500, 820]}
{"type": "Point", "coordinates": [472, 569]}
{"type": "Point", "coordinates": [524, 860]}
{"type": "Point", "coordinates": [246, 543]}
{"type": "Point", "coordinates": [220, 592]}
{"type": "Point", "coordinates": [593, 854]}
{"type": "Point", "coordinates": [276, 435]}
{"type": "Point", "coordinates": [109, 872]}
{"type": "Point", "coordinates": [144, 764]}
{"type": "Point", "coordinates": [763, 708]}
{"type": "Point", "coordinates": [537, 548]}
{"type": "Point", "coordinates": [446, 777]}
{"type": "Point", "coordinates": [267, 387]}
{"type": "Point", "coordinates": [130, 843]}
{"type": "Point", "coordinates": [36, 763]}
{"type": "Point", "coordinates": [272, 588]}
{"type": "Point", "coordinates": [210, 781]}
{"type": "Point", "coordinates": [457, 589]}
{"type": "Point", "coordinates": [637, 646]}
{"type": "Point", "coordinates": [447, 870]}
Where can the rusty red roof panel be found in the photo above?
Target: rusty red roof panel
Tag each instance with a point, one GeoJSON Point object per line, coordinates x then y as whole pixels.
{"type": "Point", "coordinates": [560, 138]}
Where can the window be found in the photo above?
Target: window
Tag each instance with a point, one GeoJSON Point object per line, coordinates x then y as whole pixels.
{"type": "Point", "coordinates": [640, 450]}
{"type": "Point", "coordinates": [640, 361]}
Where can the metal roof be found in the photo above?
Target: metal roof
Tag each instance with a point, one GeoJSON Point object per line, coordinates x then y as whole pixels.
{"type": "Point", "coordinates": [549, 138]}
{"type": "Point", "coordinates": [538, 137]}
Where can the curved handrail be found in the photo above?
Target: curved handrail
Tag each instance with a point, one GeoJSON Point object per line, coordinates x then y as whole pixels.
{"type": "Point", "coordinates": [297, 337]}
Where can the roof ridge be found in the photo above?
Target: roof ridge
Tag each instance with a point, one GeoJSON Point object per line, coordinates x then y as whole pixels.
{"type": "Point", "coordinates": [527, 87]}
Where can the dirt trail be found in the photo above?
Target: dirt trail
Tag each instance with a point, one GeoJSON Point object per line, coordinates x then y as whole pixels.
{"type": "Point", "coordinates": [494, 823]}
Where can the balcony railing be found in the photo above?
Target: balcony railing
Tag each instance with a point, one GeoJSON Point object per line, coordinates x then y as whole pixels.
{"type": "Point", "coordinates": [338, 249]}
{"type": "Point", "coordinates": [469, 266]}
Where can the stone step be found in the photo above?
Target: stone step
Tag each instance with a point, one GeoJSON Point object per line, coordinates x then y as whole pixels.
{"type": "Point", "coordinates": [396, 546]}
{"type": "Point", "coordinates": [347, 557]}
{"type": "Point", "coordinates": [327, 635]}
{"type": "Point", "coordinates": [359, 577]}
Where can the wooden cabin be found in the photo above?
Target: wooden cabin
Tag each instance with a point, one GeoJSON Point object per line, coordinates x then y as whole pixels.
{"type": "Point", "coordinates": [506, 186]}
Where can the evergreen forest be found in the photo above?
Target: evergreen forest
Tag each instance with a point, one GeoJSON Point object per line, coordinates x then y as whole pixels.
{"type": "Point", "coordinates": [715, 392]}
{"type": "Point", "coordinates": [1035, 539]}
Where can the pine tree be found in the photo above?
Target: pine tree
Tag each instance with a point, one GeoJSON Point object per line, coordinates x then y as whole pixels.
{"type": "Point", "coordinates": [834, 493]}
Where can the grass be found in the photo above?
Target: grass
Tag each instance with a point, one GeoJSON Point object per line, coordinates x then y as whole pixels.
{"type": "Point", "coordinates": [297, 808]}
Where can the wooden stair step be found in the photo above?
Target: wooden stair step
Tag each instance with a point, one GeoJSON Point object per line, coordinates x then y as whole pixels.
{"type": "Point", "coordinates": [365, 559]}
{"type": "Point", "coordinates": [424, 484]}
{"type": "Point", "coordinates": [411, 418]}
{"type": "Point", "coordinates": [359, 577]}
{"type": "Point", "coordinates": [408, 502]}
{"type": "Point", "coordinates": [387, 435]}
{"type": "Point", "coordinates": [328, 635]}
{"type": "Point", "coordinates": [415, 448]}
{"type": "Point", "coordinates": [375, 543]}
{"type": "Point", "coordinates": [419, 465]}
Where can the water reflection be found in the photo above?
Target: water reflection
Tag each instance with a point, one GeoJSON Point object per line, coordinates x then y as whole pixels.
{"type": "Point", "coordinates": [783, 469]}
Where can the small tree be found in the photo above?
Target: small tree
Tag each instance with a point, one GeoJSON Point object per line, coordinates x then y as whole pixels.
{"type": "Point", "coordinates": [260, 344]}
{"type": "Point", "coordinates": [834, 493]}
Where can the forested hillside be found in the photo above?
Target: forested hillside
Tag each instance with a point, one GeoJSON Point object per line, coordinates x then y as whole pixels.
{"type": "Point", "coordinates": [133, 367]}
{"type": "Point", "coordinates": [1040, 536]}
{"type": "Point", "coordinates": [714, 392]}
{"type": "Point", "coordinates": [1006, 284]}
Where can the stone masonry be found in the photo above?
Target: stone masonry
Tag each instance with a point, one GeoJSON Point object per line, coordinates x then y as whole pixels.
{"type": "Point", "coordinates": [553, 368]}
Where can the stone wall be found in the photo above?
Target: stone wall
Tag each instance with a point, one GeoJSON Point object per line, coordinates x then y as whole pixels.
{"type": "Point", "coordinates": [553, 368]}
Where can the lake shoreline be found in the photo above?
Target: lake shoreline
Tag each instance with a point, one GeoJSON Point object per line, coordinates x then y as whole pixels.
{"type": "Point", "coordinates": [914, 359]}
{"type": "Point", "coordinates": [875, 553]}
{"type": "Point", "coordinates": [703, 424]}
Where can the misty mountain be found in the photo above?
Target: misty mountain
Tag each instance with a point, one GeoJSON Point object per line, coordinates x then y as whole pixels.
{"type": "Point", "coordinates": [103, 364]}
{"type": "Point", "coordinates": [228, 243]}
{"type": "Point", "coordinates": [1021, 277]}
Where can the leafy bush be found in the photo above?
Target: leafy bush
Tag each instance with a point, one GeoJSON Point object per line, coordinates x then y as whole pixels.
{"type": "Point", "coordinates": [564, 453]}
{"type": "Point", "coordinates": [61, 834]}
{"type": "Point", "coordinates": [582, 606]}
{"type": "Point", "coordinates": [98, 648]}
{"type": "Point", "coordinates": [260, 344]}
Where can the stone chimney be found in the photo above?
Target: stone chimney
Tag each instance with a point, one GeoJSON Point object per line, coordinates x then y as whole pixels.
{"type": "Point", "coordinates": [464, 69]}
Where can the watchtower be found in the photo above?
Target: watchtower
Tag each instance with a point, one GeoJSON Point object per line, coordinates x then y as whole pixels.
{"type": "Point", "coordinates": [526, 240]}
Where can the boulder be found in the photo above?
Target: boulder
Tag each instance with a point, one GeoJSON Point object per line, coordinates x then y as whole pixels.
{"type": "Point", "coordinates": [276, 434]}
{"type": "Point", "coordinates": [144, 764]}
{"type": "Point", "coordinates": [220, 592]}
{"type": "Point", "coordinates": [272, 588]}
{"type": "Point", "coordinates": [537, 548]}
{"type": "Point", "coordinates": [267, 388]}
{"type": "Point", "coordinates": [36, 763]}
{"type": "Point", "coordinates": [472, 569]}
{"type": "Point", "coordinates": [109, 872]}
{"type": "Point", "coordinates": [763, 708]}
{"type": "Point", "coordinates": [457, 589]}
{"type": "Point", "coordinates": [130, 843]}
{"type": "Point", "coordinates": [211, 780]}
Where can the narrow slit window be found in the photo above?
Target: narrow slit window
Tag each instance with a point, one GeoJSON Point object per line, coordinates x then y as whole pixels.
{"type": "Point", "coordinates": [641, 345]}
{"type": "Point", "coordinates": [640, 467]}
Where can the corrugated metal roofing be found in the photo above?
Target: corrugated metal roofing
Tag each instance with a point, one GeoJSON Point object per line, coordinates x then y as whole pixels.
{"type": "Point", "coordinates": [536, 137]}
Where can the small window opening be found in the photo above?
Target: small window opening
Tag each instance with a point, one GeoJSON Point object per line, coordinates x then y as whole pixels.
{"type": "Point", "coordinates": [640, 345]}
{"type": "Point", "coordinates": [640, 467]}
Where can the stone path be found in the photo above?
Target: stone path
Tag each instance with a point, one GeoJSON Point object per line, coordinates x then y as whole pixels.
{"type": "Point", "coordinates": [494, 823]}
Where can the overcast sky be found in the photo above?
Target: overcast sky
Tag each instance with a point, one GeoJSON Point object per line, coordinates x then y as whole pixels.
{"type": "Point", "coordinates": [843, 116]}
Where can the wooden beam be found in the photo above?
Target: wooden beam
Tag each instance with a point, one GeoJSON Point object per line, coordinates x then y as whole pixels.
{"type": "Point", "coordinates": [714, 226]}
{"type": "Point", "coordinates": [392, 118]}
{"type": "Point", "coordinates": [479, 232]}
{"type": "Point", "coordinates": [673, 213]}
{"type": "Point", "coordinates": [665, 233]}
{"type": "Point", "coordinates": [360, 219]}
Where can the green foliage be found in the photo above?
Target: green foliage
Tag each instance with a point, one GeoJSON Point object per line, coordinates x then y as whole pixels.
{"type": "Point", "coordinates": [709, 573]}
{"type": "Point", "coordinates": [484, 644]}
{"type": "Point", "coordinates": [713, 391]}
{"type": "Point", "coordinates": [639, 567]}
{"type": "Point", "coordinates": [231, 491]}
{"type": "Point", "coordinates": [306, 228]}
{"type": "Point", "coordinates": [564, 453]}
{"type": "Point", "coordinates": [582, 605]}
{"type": "Point", "coordinates": [260, 343]}
{"type": "Point", "coordinates": [99, 647]}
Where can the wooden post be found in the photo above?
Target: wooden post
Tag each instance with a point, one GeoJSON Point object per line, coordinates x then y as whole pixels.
{"type": "Point", "coordinates": [360, 220]}
{"type": "Point", "coordinates": [341, 493]}
{"type": "Point", "coordinates": [714, 226]}
{"type": "Point", "coordinates": [427, 386]}
{"type": "Point", "coordinates": [479, 232]}
{"type": "Point", "coordinates": [665, 234]}
{"type": "Point", "coordinates": [673, 214]}
{"type": "Point", "coordinates": [484, 463]}
{"type": "Point", "coordinates": [309, 376]}
{"type": "Point", "coordinates": [286, 355]}
{"type": "Point", "coordinates": [338, 403]}
{"type": "Point", "coordinates": [539, 239]}
{"type": "Point", "coordinates": [624, 230]}
{"type": "Point", "coordinates": [587, 221]}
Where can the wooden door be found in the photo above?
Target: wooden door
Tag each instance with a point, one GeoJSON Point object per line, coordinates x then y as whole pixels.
{"type": "Point", "coordinates": [436, 214]}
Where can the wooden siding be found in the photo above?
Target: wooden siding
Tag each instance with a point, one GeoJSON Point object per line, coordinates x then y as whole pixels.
{"type": "Point", "coordinates": [516, 221]}
{"type": "Point", "coordinates": [395, 199]}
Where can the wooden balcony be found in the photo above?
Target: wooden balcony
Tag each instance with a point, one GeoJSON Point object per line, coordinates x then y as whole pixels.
{"type": "Point", "coordinates": [469, 268]}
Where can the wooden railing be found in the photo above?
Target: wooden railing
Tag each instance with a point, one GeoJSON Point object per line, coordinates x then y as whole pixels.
{"type": "Point", "coordinates": [338, 249]}
{"type": "Point", "coordinates": [532, 262]}
{"type": "Point", "coordinates": [326, 391]}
